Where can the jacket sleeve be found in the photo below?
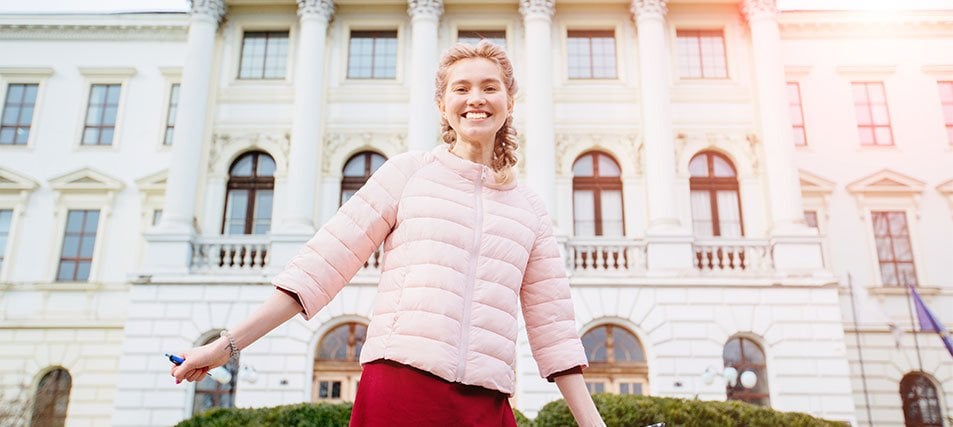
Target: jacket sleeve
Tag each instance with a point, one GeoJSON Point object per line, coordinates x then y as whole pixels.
{"type": "Point", "coordinates": [547, 306]}
{"type": "Point", "coordinates": [341, 247]}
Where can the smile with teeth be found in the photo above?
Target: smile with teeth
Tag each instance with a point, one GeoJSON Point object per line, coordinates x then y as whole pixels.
{"type": "Point", "coordinates": [475, 115]}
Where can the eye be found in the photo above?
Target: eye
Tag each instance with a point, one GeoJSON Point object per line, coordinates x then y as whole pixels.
{"type": "Point", "coordinates": [491, 89]}
{"type": "Point", "coordinates": [459, 89]}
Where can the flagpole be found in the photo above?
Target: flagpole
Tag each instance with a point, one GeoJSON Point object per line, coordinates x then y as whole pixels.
{"type": "Point", "coordinates": [860, 351]}
{"type": "Point", "coordinates": [913, 324]}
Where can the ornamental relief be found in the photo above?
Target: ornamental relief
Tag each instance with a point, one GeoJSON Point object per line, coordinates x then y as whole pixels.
{"type": "Point", "coordinates": [626, 148]}
{"type": "Point", "coordinates": [341, 145]}
{"type": "Point", "coordinates": [226, 147]}
{"type": "Point", "coordinates": [743, 149]}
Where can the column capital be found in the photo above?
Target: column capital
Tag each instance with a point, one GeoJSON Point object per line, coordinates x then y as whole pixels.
{"type": "Point", "coordinates": [642, 9]}
{"type": "Point", "coordinates": [425, 8]}
{"type": "Point", "coordinates": [316, 9]}
{"type": "Point", "coordinates": [214, 9]}
{"type": "Point", "coordinates": [545, 8]}
{"type": "Point", "coordinates": [758, 9]}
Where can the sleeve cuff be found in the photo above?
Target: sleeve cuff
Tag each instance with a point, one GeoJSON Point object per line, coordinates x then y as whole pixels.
{"type": "Point", "coordinates": [573, 370]}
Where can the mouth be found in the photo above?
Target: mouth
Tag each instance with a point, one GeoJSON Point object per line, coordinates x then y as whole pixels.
{"type": "Point", "coordinates": [475, 115]}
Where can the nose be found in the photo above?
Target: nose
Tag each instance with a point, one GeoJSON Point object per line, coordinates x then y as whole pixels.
{"type": "Point", "coordinates": [476, 98]}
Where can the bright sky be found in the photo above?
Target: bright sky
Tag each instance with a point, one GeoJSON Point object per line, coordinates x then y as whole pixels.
{"type": "Point", "coordinates": [22, 6]}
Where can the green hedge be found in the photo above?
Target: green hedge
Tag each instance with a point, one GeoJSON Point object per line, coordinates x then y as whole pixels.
{"type": "Point", "coordinates": [300, 415]}
{"type": "Point", "coordinates": [639, 411]}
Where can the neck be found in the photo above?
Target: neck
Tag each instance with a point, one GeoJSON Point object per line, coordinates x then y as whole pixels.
{"type": "Point", "coordinates": [476, 153]}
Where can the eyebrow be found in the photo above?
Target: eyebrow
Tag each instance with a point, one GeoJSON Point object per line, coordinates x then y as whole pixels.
{"type": "Point", "coordinates": [491, 80]}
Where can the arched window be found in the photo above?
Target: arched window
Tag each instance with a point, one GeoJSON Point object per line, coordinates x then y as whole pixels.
{"type": "Point", "coordinates": [357, 170]}
{"type": "Point", "coordinates": [616, 361]}
{"type": "Point", "coordinates": [597, 196]}
{"type": "Point", "coordinates": [51, 399]}
{"type": "Point", "coordinates": [744, 354]}
{"type": "Point", "coordinates": [921, 404]}
{"type": "Point", "coordinates": [716, 207]}
{"type": "Point", "coordinates": [212, 394]}
{"type": "Point", "coordinates": [251, 186]}
{"type": "Point", "coordinates": [336, 368]}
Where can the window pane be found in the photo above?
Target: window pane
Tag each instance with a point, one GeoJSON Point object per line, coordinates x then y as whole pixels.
{"type": "Point", "coordinates": [66, 271]}
{"type": "Point", "coordinates": [82, 270]}
{"type": "Point", "coordinates": [266, 166]}
{"type": "Point", "coordinates": [583, 166]}
{"type": "Point", "coordinates": [701, 214]}
{"type": "Point", "coordinates": [698, 166]}
{"type": "Point", "coordinates": [236, 209]}
{"type": "Point", "coordinates": [377, 161]}
{"type": "Point", "coordinates": [612, 213]}
{"type": "Point", "coordinates": [626, 347]}
{"type": "Point", "coordinates": [607, 166]}
{"type": "Point", "coordinates": [355, 166]}
{"type": "Point", "coordinates": [729, 218]}
{"type": "Point", "coordinates": [74, 221]}
{"type": "Point", "coordinates": [594, 342]}
{"type": "Point", "coordinates": [883, 136]}
{"type": "Point", "coordinates": [866, 135]}
{"type": "Point", "coordinates": [584, 212]}
{"type": "Point", "coordinates": [722, 168]}
{"type": "Point", "coordinates": [71, 246]}
{"type": "Point", "coordinates": [242, 167]}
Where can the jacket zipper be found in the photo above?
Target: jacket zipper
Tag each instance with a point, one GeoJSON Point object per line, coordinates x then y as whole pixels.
{"type": "Point", "coordinates": [471, 279]}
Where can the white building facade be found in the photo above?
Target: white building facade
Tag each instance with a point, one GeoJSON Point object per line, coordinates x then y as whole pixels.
{"type": "Point", "coordinates": [717, 171]}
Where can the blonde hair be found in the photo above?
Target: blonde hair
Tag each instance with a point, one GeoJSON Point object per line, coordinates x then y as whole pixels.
{"type": "Point", "coordinates": [504, 149]}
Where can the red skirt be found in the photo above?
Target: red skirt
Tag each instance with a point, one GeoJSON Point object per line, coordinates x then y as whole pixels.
{"type": "Point", "coordinates": [392, 394]}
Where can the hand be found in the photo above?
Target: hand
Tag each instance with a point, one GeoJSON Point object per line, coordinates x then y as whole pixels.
{"type": "Point", "coordinates": [199, 360]}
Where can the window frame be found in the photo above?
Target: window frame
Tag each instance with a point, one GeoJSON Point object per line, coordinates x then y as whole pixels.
{"type": "Point", "coordinates": [610, 372]}
{"type": "Point", "coordinates": [947, 125]}
{"type": "Point", "coordinates": [347, 371]}
{"type": "Point", "coordinates": [712, 185]}
{"type": "Point", "coordinates": [25, 75]}
{"type": "Point", "coordinates": [589, 34]}
{"type": "Point", "coordinates": [880, 262]}
{"type": "Point", "coordinates": [253, 184]}
{"type": "Point", "coordinates": [98, 76]}
{"type": "Point", "coordinates": [353, 182]}
{"type": "Point", "coordinates": [763, 375]}
{"type": "Point", "coordinates": [800, 106]}
{"type": "Point", "coordinates": [597, 184]}
{"type": "Point", "coordinates": [83, 235]}
{"type": "Point", "coordinates": [700, 30]}
{"type": "Point", "coordinates": [376, 31]}
{"type": "Point", "coordinates": [36, 389]}
{"type": "Point", "coordinates": [232, 366]}
{"type": "Point", "coordinates": [873, 125]}
{"type": "Point", "coordinates": [264, 65]}
{"type": "Point", "coordinates": [173, 76]}
{"type": "Point", "coordinates": [904, 390]}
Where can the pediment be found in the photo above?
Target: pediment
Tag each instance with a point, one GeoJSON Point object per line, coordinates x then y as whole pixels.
{"type": "Point", "coordinates": [86, 179]}
{"type": "Point", "coordinates": [887, 182]}
{"type": "Point", "coordinates": [153, 183]}
{"type": "Point", "coordinates": [946, 188]}
{"type": "Point", "coordinates": [12, 181]}
{"type": "Point", "coordinates": [813, 184]}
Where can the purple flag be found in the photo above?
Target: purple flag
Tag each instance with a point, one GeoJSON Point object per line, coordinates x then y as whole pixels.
{"type": "Point", "coordinates": [929, 322]}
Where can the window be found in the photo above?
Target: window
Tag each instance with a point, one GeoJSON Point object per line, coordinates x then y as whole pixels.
{"type": "Point", "coordinates": [337, 370]}
{"type": "Point", "coordinates": [372, 55]}
{"type": "Point", "coordinates": [810, 219]}
{"type": "Point", "coordinates": [616, 361]}
{"type": "Point", "coordinates": [946, 100]}
{"type": "Point", "coordinates": [716, 207]}
{"type": "Point", "coordinates": [156, 217]}
{"type": "Point", "coordinates": [701, 54]}
{"type": "Point", "coordinates": [264, 55]}
{"type": "Point", "coordinates": [591, 54]}
{"type": "Point", "coordinates": [18, 114]}
{"type": "Point", "coordinates": [797, 113]}
{"type": "Point", "coordinates": [78, 243]}
{"type": "Point", "coordinates": [52, 399]}
{"type": "Point", "coordinates": [101, 114]}
{"type": "Point", "coordinates": [744, 354]}
{"type": "Point", "coordinates": [6, 218]}
{"type": "Point", "coordinates": [921, 404]}
{"type": "Point", "coordinates": [873, 119]}
{"type": "Point", "coordinates": [894, 250]}
{"type": "Point", "coordinates": [251, 184]}
{"type": "Point", "coordinates": [473, 37]}
{"type": "Point", "coordinates": [170, 114]}
{"type": "Point", "coordinates": [357, 171]}
{"type": "Point", "coordinates": [597, 196]}
{"type": "Point", "coordinates": [212, 394]}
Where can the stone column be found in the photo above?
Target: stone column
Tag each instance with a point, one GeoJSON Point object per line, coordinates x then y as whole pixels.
{"type": "Point", "coordinates": [304, 160]}
{"type": "Point", "coordinates": [168, 249]}
{"type": "Point", "coordinates": [540, 136]}
{"type": "Point", "coordinates": [784, 191]}
{"type": "Point", "coordinates": [423, 121]}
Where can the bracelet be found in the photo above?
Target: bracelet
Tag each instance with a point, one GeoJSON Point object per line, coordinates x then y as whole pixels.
{"type": "Point", "coordinates": [232, 348]}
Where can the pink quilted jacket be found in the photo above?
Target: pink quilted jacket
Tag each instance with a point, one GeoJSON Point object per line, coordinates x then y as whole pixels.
{"type": "Point", "coordinates": [459, 251]}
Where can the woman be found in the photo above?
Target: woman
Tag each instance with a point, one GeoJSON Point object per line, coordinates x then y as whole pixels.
{"type": "Point", "coordinates": [464, 245]}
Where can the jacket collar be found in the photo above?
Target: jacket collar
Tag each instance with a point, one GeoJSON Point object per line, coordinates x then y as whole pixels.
{"type": "Point", "coordinates": [469, 170]}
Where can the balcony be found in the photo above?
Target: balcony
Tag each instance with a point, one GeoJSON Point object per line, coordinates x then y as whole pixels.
{"type": "Point", "coordinates": [733, 256]}
{"type": "Point", "coordinates": [229, 254]}
{"type": "Point", "coordinates": [604, 256]}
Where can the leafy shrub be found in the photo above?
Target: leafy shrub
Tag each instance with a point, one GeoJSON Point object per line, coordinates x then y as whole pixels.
{"type": "Point", "coordinates": [639, 411]}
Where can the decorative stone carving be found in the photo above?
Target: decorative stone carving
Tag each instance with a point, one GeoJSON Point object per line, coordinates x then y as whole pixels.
{"type": "Point", "coordinates": [276, 144]}
{"type": "Point", "coordinates": [316, 8]}
{"type": "Point", "coordinates": [340, 144]}
{"type": "Point", "coordinates": [625, 147]}
{"type": "Point", "coordinates": [648, 8]}
{"type": "Point", "coordinates": [214, 9]}
{"type": "Point", "coordinates": [546, 8]}
{"type": "Point", "coordinates": [425, 8]}
{"type": "Point", "coordinates": [753, 9]}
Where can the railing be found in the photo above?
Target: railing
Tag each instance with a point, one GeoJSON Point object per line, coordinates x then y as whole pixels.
{"type": "Point", "coordinates": [229, 254]}
{"type": "Point", "coordinates": [373, 265]}
{"type": "Point", "coordinates": [733, 256]}
{"type": "Point", "coordinates": [604, 256]}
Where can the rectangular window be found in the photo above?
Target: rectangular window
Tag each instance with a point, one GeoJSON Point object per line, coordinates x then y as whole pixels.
{"type": "Point", "coordinates": [873, 119]}
{"type": "Point", "coordinates": [591, 54]}
{"type": "Point", "coordinates": [6, 217]}
{"type": "Point", "coordinates": [372, 55]}
{"type": "Point", "coordinates": [101, 114]}
{"type": "Point", "coordinates": [797, 113]}
{"type": "Point", "coordinates": [18, 114]}
{"type": "Point", "coordinates": [156, 217]}
{"type": "Point", "coordinates": [264, 55]}
{"type": "Point", "coordinates": [946, 99]}
{"type": "Point", "coordinates": [701, 54]}
{"type": "Point", "coordinates": [474, 36]}
{"type": "Point", "coordinates": [894, 250]}
{"type": "Point", "coordinates": [78, 241]}
{"type": "Point", "coordinates": [170, 114]}
{"type": "Point", "coordinates": [810, 219]}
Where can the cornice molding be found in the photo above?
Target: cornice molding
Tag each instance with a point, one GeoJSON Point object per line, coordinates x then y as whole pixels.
{"type": "Point", "coordinates": [840, 24]}
{"type": "Point", "coordinates": [133, 32]}
{"type": "Point", "coordinates": [26, 71]}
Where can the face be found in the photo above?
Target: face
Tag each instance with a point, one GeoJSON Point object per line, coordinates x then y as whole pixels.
{"type": "Point", "coordinates": [475, 102]}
